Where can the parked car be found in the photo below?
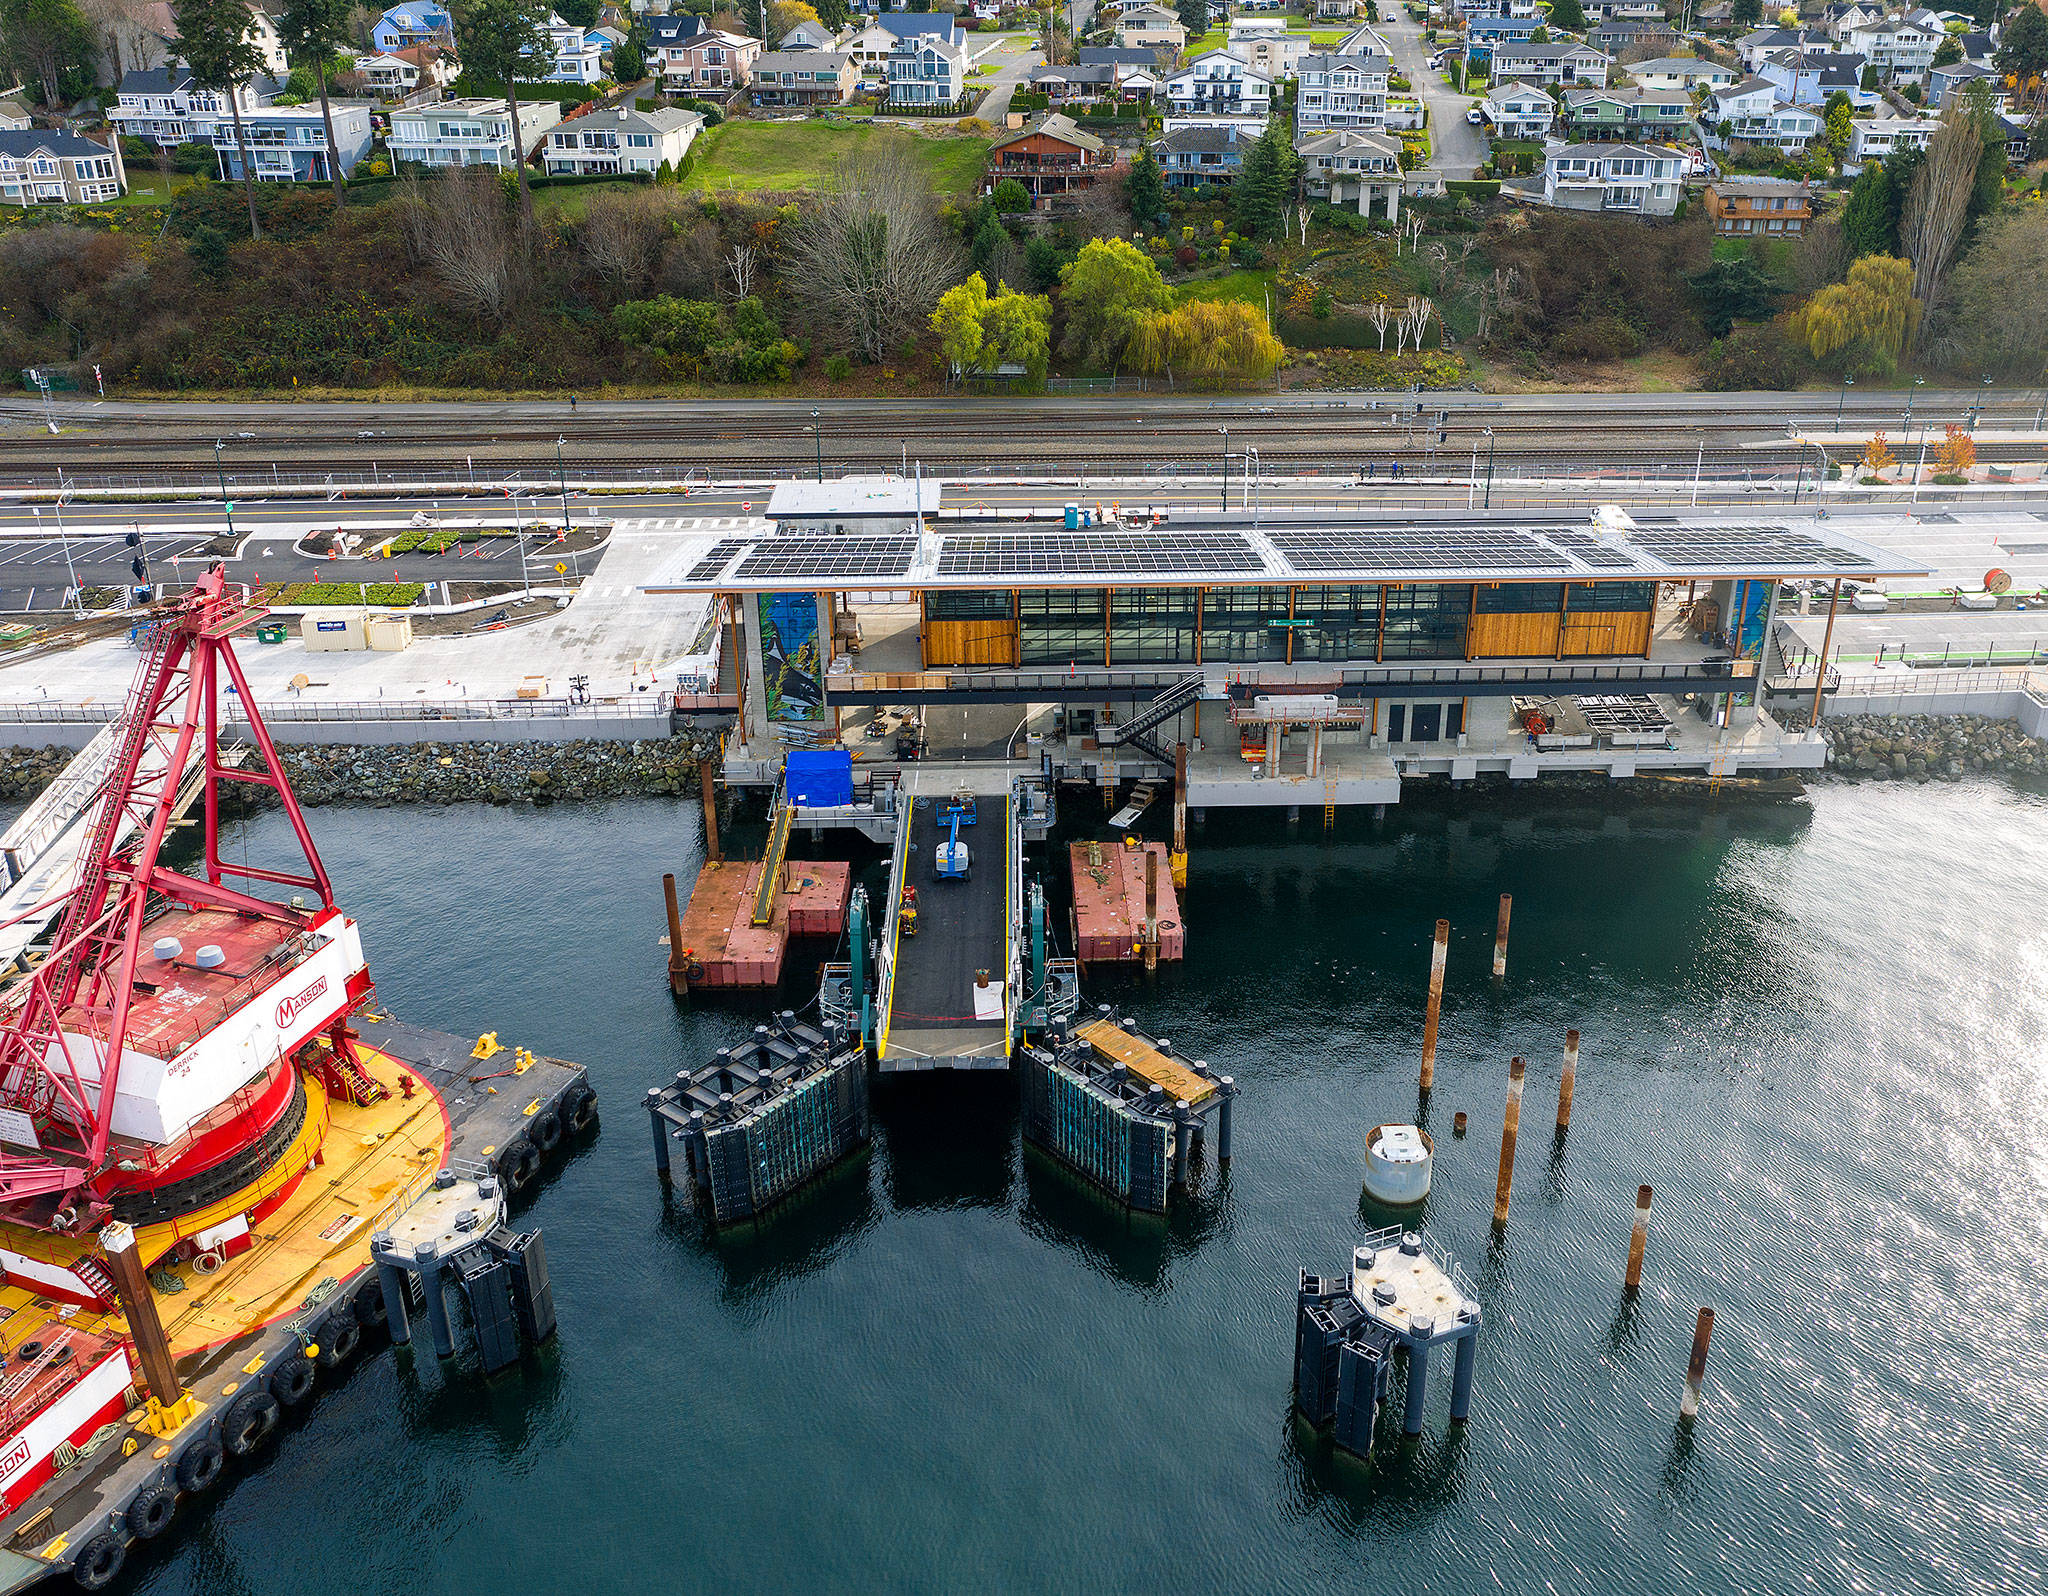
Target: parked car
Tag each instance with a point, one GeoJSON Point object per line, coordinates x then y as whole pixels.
{"type": "Point", "coordinates": [1472, 115]}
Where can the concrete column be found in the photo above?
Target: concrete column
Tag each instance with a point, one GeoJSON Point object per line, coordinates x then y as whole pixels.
{"type": "Point", "coordinates": [1272, 748]}
{"type": "Point", "coordinates": [660, 1134]}
{"type": "Point", "coordinates": [1394, 203]}
{"type": "Point", "coordinates": [1461, 1379]}
{"type": "Point", "coordinates": [1418, 1387]}
{"type": "Point", "coordinates": [392, 1282]}
{"type": "Point", "coordinates": [437, 1308]}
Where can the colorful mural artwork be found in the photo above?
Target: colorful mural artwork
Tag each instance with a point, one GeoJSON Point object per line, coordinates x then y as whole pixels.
{"type": "Point", "coordinates": [789, 656]}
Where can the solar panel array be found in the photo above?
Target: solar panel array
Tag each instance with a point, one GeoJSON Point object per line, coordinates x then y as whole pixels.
{"type": "Point", "coordinates": [1736, 547]}
{"type": "Point", "coordinates": [999, 554]}
{"type": "Point", "coordinates": [1418, 549]}
{"type": "Point", "coordinates": [827, 558]}
{"type": "Point", "coordinates": [1588, 550]}
{"type": "Point", "coordinates": [715, 559]}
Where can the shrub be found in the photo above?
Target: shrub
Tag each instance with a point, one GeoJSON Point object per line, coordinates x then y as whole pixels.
{"type": "Point", "coordinates": [393, 593]}
{"type": "Point", "coordinates": [1186, 255]}
{"type": "Point", "coordinates": [837, 368]}
{"type": "Point", "coordinates": [1749, 357]}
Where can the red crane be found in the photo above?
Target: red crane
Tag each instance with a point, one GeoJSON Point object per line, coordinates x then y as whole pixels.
{"type": "Point", "coordinates": [64, 1025]}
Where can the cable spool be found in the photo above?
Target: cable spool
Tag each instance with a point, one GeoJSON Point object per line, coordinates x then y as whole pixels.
{"type": "Point", "coordinates": [208, 1262]}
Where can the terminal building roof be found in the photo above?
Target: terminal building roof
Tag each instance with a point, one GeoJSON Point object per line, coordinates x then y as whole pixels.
{"type": "Point", "coordinates": [1215, 550]}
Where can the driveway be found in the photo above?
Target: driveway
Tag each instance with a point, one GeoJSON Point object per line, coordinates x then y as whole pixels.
{"type": "Point", "coordinates": [1455, 148]}
{"type": "Point", "coordinates": [1013, 58]}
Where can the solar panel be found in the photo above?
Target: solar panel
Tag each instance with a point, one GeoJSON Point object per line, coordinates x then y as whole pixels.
{"type": "Point", "coordinates": [715, 558]}
{"type": "Point", "coordinates": [1588, 550]}
{"type": "Point", "coordinates": [1001, 554]}
{"type": "Point", "coordinates": [1418, 549]}
{"type": "Point", "coordinates": [827, 558]}
{"type": "Point", "coordinates": [1739, 546]}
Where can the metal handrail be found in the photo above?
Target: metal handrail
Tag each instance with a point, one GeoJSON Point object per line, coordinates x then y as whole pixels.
{"type": "Point", "coordinates": [650, 706]}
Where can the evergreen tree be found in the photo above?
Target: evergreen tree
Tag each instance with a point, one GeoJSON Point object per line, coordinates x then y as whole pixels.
{"type": "Point", "coordinates": [506, 40]}
{"type": "Point", "coordinates": [832, 13]}
{"type": "Point", "coordinates": [1747, 13]}
{"type": "Point", "coordinates": [316, 29]}
{"type": "Point", "coordinates": [1839, 123]}
{"type": "Point", "coordinates": [1947, 52]}
{"type": "Point", "coordinates": [213, 39]}
{"type": "Point", "coordinates": [1194, 17]}
{"type": "Point", "coordinates": [1569, 15]}
{"type": "Point", "coordinates": [2023, 51]}
{"type": "Point", "coordinates": [1732, 290]}
{"type": "Point", "coordinates": [1145, 189]}
{"type": "Point", "coordinates": [1870, 220]}
{"type": "Point", "coordinates": [1265, 183]}
{"type": "Point", "coordinates": [50, 41]}
{"type": "Point", "coordinates": [629, 58]}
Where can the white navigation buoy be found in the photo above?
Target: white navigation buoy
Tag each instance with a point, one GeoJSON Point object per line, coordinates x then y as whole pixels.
{"type": "Point", "coordinates": [1397, 1163]}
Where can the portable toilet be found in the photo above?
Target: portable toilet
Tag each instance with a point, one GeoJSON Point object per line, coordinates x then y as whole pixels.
{"type": "Point", "coordinates": [1073, 517]}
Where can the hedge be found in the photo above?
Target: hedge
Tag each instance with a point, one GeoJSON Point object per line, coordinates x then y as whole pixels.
{"type": "Point", "coordinates": [394, 593]}
{"type": "Point", "coordinates": [1476, 188]}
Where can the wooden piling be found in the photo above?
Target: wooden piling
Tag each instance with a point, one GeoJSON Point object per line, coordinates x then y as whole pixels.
{"type": "Point", "coordinates": [711, 853]}
{"type": "Point", "coordinates": [1512, 1124]}
{"type": "Point", "coordinates": [1179, 859]}
{"type": "Point", "coordinates": [1567, 1080]}
{"type": "Point", "coordinates": [676, 962]}
{"type": "Point", "coordinates": [1458, 1123]}
{"type": "Point", "coordinates": [1439, 953]}
{"type": "Point", "coordinates": [1500, 936]}
{"type": "Point", "coordinates": [1634, 1280]}
{"type": "Point", "coordinates": [1696, 1369]}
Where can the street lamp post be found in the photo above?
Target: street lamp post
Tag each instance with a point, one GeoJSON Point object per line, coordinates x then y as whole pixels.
{"type": "Point", "coordinates": [1226, 468]}
{"type": "Point", "coordinates": [1489, 470]}
{"type": "Point", "coordinates": [817, 431]}
{"type": "Point", "coordinates": [562, 479]}
{"type": "Point", "coordinates": [1912, 393]}
{"type": "Point", "coordinates": [226, 504]}
{"type": "Point", "coordinates": [65, 538]}
{"type": "Point", "coordinates": [1848, 382]}
{"type": "Point", "coordinates": [1977, 409]}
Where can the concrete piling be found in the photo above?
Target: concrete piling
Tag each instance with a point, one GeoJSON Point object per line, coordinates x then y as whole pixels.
{"type": "Point", "coordinates": [1567, 1081]}
{"type": "Point", "coordinates": [1516, 1073]}
{"type": "Point", "coordinates": [1696, 1369]}
{"type": "Point", "coordinates": [1418, 1377]}
{"type": "Point", "coordinates": [1439, 954]}
{"type": "Point", "coordinates": [1641, 1234]}
{"type": "Point", "coordinates": [660, 1133]}
{"type": "Point", "coordinates": [1227, 1086]}
{"type": "Point", "coordinates": [1500, 937]}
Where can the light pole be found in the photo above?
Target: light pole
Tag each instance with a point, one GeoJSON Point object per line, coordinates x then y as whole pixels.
{"type": "Point", "coordinates": [226, 504]}
{"type": "Point", "coordinates": [1977, 409]}
{"type": "Point", "coordinates": [562, 479]}
{"type": "Point", "coordinates": [817, 432]}
{"type": "Point", "coordinates": [1848, 382]}
{"type": "Point", "coordinates": [525, 566]}
{"type": "Point", "coordinates": [65, 538]}
{"type": "Point", "coordinates": [1912, 393]}
{"type": "Point", "coordinates": [1488, 505]}
{"type": "Point", "coordinates": [1226, 468]}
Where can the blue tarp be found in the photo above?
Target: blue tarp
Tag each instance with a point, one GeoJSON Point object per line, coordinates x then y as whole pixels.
{"type": "Point", "coordinates": [820, 778]}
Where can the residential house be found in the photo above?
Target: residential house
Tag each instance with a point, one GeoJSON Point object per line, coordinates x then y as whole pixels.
{"type": "Point", "coordinates": [1516, 111]}
{"type": "Point", "coordinates": [709, 61]}
{"type": "Point", "coordinates": [1138, 75]}
{"type": "Point", "coordinates": [620, 139]}
{"type": "Point", "coordinates": [1744, 207]}
{"type": "Point", "coordinates": [1565, 64]}
{"type": "Point", "coordinates": [1194, 157]}
{"type": "Point", "coordinates": [1218, 84]}
{"type": "Point", "coordinates": [1117, 55]}
{"type": "Point", "coordinates": [1942, 81]}
{"type": "Point", "coordinates": [1622, 115]}
{"type": "Point", "coordinates": [1352, 167]}
{"type": "Point", "coordinates": [1265, 45]}
{"type": "Point", "coordinates": [578, 57]}
{"type": "Point", "coordinates": [802, 77]}
{"type": "Point", "coordinates": [808, 35]}
{"type": "Point", "coordinates": [928, 69]}
{"type": "Point", "coordinates": [1333, 10]}
{"type": "Point", "coordinates": [1473, 10]}
{"type": "Point", "coordinates": [166, 107]}
{"type": "Point", "coordinates": [472, 132]}
{"type": "Point", "coordinates": [405, 72]}
{"type": "Point", "coordinates": [1613, 177]}
{"type": "Point", "coordinates": [1813, 77]}
{"type": "Point", "coordinates": [1900, 47]}
{"type": "Point", "coordinates": [407, 27]}
{"type": "Point", "coordinates": [14, 112]}
{"type": "Point", "coordinates": [1340, 91]}
{"type": "Point", "coordinates": [264, 36]}
{"type": "Point", "coordinates": [288, 143]}
{"type": "Point", "coordinates": [1629, 33]}
{"type": "Point", "coordinates": [667, 37]}
{"type": "Point", "coordinates": [1051, 156]}
{"type": "Point", "coordinates": [1685, 72]}
{"type": "Point", "coordinates": [873, 44]}
{"type": "Point", "coordinates": [42, 167]}
{"type": "Point", "coordinates": [1627, 10]}
{"type": "Point", "coordinates": [1752, 112]}
{"type": "Point", "coordinates": [1074, 85]}
{"type": "Point", "coordinates": [1715, 14]}
{"type": "Point", "coordinates": [1151, 28]}
{"type": "Point", "coordinates": [1751, 48]}
{"type": "Point", "coordinates": [1876, 137]}
{"type": "Point", "coordinates": [1363, 41]}
{"type": "Point", "coordinates": [1841, 20]}
{"type": "Point", "coordinates": [1484, 34]}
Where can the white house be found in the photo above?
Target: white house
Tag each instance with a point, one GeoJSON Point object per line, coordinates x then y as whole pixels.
{"type": "Point", "coordinates": [468, 132]}
{"type": "Point", "coordinates": [619, 140]}
{"type": "Point", "coordinates": [1753, 113]}
{"type": "Point", "coordinates": [1685, 72]}
{"type": "Point", "coordinates": [1150, 27]}
{"type": "Point", "coordinates": [1566, 64]}
{"type": "Point", "coordinates": [1364, 41]}
{"type": "Point", "coordinates": [579, 56]}
{"type": "Point", "coordinates": [1218, 84]}
{"type": "Point", "coordinates": [1878, 137]}
{"type": "Point", "coordinates": [1811, 77]}
{"type": "Point", "coordinates": [1265, 45]}
{"type": "Point", "coordinates": [928, 69]}
{"type": "Point", "coordinates": [1352, 167]}
{"type": "Point", "coordinates": [404, 72]}
{"type": "Point", "coordinates": [1518, 112]}
{"type": "Point", "coordinates": [1900, 47]}
{"type": "Point", "coordinates": [39, 167]}
{"type": "Point", "coordinates": [1340, 91]}
{"type": "Point", "coordinates": [288, 143]}
{"type": "Point", "coordinates": [1613, 177]}
{"type": "Point", "coordinates": [807, 35]}
{"type": "Point", "coordinates": [873, 44]}
{"type": "Point", "coordinates": [166, 107]}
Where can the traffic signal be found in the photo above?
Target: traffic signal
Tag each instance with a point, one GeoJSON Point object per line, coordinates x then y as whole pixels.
{"type": "Point", "coordinates": [141, 571]}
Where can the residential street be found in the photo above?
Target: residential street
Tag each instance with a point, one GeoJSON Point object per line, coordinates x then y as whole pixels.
{"type": "Point", "coordinates": [1013, 58]}
{"type": "Point", "coordinates": [1455, 147]}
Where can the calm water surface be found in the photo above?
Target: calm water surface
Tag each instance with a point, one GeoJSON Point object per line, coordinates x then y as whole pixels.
{"type": "Point", "coordinates": [1819, 1033]}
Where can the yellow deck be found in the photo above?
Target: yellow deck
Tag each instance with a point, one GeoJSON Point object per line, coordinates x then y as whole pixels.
{"type": "Point", "coordinates": [1145, 1061]}
{"type": "Point", "coordinates": [371, 1157]}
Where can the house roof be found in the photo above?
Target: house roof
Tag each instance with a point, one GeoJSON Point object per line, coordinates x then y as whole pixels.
{"type": "Point", "coordinates": [1627, 96]}
{"type": "Point", "coordinates": [1345, 140]}
{"type": "Point", "coordinates": [1146, 13]}
{"type": "Point", "coordinates": [1339, 63]}
{"type": "Point", "coordinates": [1748, 86]}
{"type": "Point", "coordinates": [1105, 55]}
{"type": "Point", "coordinates": [1085, 73]}
{"type": "Point", "coordinates": [1201, 141]}
{"type": "Point", "coordinates": [156, 80]}
{"type": "Point", "coordinates": [1757, 187]}
{"type": "Point", "coordinates": [1054, 126]}
{"type": "Point", "coordinates": [1520, 51]}
{"type": "Point", "coordinates": [1222, 55]}
{"type": "Point", "coordinates": [908, 24]}
{"type": "Point", "coordinates": [1501, 93]}
{"type": "Point", "coordinates": [1364, 40]}
{"type": "Point", "coordinates": [1675, 63]}
{"type": "Point", "coordinates": [1605, 151]}
{"type": "Point", "coordinates": [802, 61]}
{"type": "Point", "coordinates": [675, 28]}
{"type": "Point", "coordinates": [25, 141]}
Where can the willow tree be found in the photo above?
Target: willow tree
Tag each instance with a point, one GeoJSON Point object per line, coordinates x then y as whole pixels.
{"type": "Point", "coordinates": [1871, 312]}
{"type": "Point", "coordinates": [1207, 340]}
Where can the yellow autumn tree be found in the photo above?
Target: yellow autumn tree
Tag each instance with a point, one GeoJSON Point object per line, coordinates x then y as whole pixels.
{"type": "Point", "coordinates": [1877, 456]}
{"type": "Point", "coordinates": [1957, 453]}
{"type": "Point", "coordinates": [786, 14]}
{"type": "Point", "coordinates": [1207, 340]}
{"type": "Point", "coordinates": [1871, 314]}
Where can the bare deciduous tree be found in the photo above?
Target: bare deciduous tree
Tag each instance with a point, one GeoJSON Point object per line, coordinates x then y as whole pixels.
{"type": "Point", "coordinates": [620, 236]}
{"type": "Point", "coordinates": [871, 257]}
{"type": "Point", "coordinates": [1301, 220]}
{"type": "Point", "coordinates": [1417, 315]}
{"type": "Point", "coordinates": [1380, 313]}
{"type": "Point", "coordinates": [742, 262]}
{"type": "Point", "coordinates": [1938, 203]}
{"type": "Point", "coordinates": [460, 229]}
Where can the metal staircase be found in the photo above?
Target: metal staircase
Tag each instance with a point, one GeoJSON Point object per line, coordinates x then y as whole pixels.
{"type": "Point", "coordinates": [1181, 696]}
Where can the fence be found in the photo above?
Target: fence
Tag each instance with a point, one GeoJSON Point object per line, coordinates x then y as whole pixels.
{"type": "Point", "coordinates": [651, 707]}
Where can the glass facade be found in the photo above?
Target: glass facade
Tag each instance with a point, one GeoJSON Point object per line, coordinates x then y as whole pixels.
{"type": "Point", "coordinates": [1343, 623]}
{"type": "Point", "coordinates": [1522, 598]}
{"type": "Point", "coordinates": [1234, 624]}
{"type": "Point", "coordinates": [987, 604]}
{"type": "Point", "coordinates": [1426, 620]}
{"type": "Point", "coordinates": [1152, 625]}
{"type": "Point", "coordinates": [1614, 597]}
{"type": "Point", "coordinates": [1060, 627]}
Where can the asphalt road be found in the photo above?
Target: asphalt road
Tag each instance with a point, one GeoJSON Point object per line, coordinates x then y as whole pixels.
{"type": "Point", "coordinates": [1455, 146]}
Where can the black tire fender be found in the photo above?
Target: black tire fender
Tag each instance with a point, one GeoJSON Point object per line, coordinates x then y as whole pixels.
{"type": "Point", "coordinates": [200, 1465]}
{"type": "Point", "coordinates": [546, 1130]}
{"type": "Point", "coordinates": [249, 1421]}
{"type": "Point", "coordinates": [368, 1304]}
{"type": "Point", "coordinates": [518, 1163]}
{"type": "Point", "coordinates": [150, 1514]}
{"type": "Point", "coordinates": [291, 1382]}
{"type": "Point", "coordinates": [579, 1109]}
{"type": "Point", "coordinates": [99, 1560]}
{"type": "Point", "coordinates": [339, 1338]}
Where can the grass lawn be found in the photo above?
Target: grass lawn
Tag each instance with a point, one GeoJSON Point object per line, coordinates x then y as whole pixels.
{"type": "Point", "coordinates": [573, 199]}
{"type": "Point", "coordinates": [146, 186]}
{"type": "Point", "coordinates": [1251, 287]}
{"type": "Point", "coordinates": [798, 155]}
